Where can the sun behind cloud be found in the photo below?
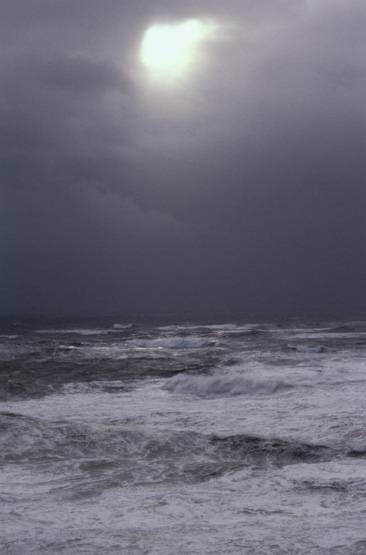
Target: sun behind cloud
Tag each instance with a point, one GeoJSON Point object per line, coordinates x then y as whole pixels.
{"type": "Point", "coordinates": [168, 50]}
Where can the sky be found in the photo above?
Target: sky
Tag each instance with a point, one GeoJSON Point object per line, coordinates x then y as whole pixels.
{"type": "Point", "coordinates": [238, 188]}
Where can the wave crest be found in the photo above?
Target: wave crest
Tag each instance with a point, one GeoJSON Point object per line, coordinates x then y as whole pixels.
{"type": "Point", "coordinates": [213, 386]}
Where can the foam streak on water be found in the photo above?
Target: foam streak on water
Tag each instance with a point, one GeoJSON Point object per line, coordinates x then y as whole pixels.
{"type": "Point", "coordinates": [187, 438]}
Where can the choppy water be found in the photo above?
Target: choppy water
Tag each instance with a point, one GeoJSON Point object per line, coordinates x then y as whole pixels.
{"type": "Point", "coordinates": [183, 439]}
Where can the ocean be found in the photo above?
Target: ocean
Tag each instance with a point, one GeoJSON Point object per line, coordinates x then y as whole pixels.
{"type": "Point", "coordinates": [162, 439]}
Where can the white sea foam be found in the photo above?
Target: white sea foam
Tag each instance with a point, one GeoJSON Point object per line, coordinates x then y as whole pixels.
{"type": "Point", "coordinates": [158, 427]}
{"type": "Point", "coordinates": [215, 385]}
{"type": "Point", "coordinates": [93, 387]}
{"type": "Point", "coordinates": [337, 475]}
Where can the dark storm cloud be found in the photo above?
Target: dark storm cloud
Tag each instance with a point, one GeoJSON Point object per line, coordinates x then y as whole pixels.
{"type": "Point", "coordinates": [241, 191]}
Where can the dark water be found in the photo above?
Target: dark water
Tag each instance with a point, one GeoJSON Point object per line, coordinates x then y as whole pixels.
{"type": "Point", "coordinates": [187, 438]}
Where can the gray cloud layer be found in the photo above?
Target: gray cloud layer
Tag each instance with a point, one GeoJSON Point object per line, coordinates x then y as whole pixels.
{"type": "Point", "coordinates": [240, 191]}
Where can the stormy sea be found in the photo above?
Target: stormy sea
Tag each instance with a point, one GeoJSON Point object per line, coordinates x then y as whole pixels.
{"type": "Point", "coordinates": [182, 438]}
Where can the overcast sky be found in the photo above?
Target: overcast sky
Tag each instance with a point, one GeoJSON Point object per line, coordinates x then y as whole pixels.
{"type": "Point", "coordinates": [240, 189]}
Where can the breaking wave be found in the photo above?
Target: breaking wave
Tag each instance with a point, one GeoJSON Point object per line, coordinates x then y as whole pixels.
{"type": "Point", "coordinates": [165, 455]}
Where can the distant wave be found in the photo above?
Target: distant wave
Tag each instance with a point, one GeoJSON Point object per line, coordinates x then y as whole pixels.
{"type": "Point", "coordinates": [217, 330]}
{"type": "Point", "coordinates": [75, 331]}
{"type": "Point", "coordinates": [86, 331]}
{"type": "Point", "coordinates": [176, 342]}
{"type": "Point", "coordinates": [345, 328]}
{"type": "Point", "coordinates": [213, 386]}
{"type": "Point", "coordinates": [308, 348]}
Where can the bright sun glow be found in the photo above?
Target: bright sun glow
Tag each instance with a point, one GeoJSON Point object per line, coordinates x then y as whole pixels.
{"type": "Point", "coordinates": [168, 50]}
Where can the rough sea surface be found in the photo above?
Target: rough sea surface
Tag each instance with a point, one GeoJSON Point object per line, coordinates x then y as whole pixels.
{"type": "Point", "coordinates": [183, 439]}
